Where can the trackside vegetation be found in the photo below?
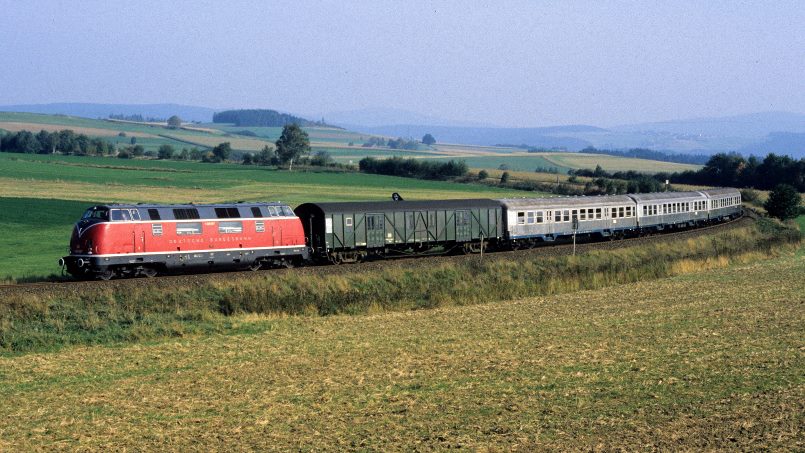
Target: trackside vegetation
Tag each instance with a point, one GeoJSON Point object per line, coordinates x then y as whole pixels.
{"type": "Point", "coordinates": [32, 322]}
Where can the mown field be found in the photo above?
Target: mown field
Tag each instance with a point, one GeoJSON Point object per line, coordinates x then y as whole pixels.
{"type": "Point", "coordinates": [41, 196]}
{"type": "Point", "coordinates": [700, 361]}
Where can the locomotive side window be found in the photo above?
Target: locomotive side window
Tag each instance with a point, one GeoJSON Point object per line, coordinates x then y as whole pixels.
{"type": "Point", "coordinates": [185, 213]}
{"type": "Point", "coordinates": [188, 228]}
{"type": "Point", "coordinates": [256, 211]}
{"type": "Point", "coordinates": [154, 214]}
{"type": "Point", "coordinates": [230, 227]}
{"type": "Point", "coordinates": [227, 213]}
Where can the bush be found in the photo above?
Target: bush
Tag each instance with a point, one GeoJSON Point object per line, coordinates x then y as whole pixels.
{"type": "Point", "coordinates": [483, 174]}
{"type": "Point", "coordinates": [783, 202]}
{"type": "Point", "coordinates": [413, 168]}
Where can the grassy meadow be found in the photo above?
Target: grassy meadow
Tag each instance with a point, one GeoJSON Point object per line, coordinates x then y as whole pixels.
{"type": "Point", "coordinates": [696, 361]}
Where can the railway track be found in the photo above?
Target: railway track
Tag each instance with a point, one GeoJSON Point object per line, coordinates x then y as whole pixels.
{"type": "Point", "coordinates": [73, 287]}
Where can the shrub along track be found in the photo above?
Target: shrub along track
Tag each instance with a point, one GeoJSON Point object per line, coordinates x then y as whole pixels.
{"type": "Point", "coordinates": [66, 288]}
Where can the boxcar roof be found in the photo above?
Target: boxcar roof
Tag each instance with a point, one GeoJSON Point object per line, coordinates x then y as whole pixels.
{"type": "Point", "coordinates": [381, 206]}
{"type": "Point", "coordinates": [660, 196]}
{"type": "Point", "coordinates": [566, 201]}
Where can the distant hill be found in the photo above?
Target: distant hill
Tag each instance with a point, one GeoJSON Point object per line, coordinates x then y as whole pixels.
{"type": "Point", "coordinates": [373, 117]}
{"type": "Point", "coordinates": [752, 125]}
{"type": "Point", "coordinates": [260, 118]}
{"type": "Point", "coordinates": [86, 110]}
{"type": "Point", "coordinates": [788, 143]}
{"type": "Point", "coordinates": [538, 137]}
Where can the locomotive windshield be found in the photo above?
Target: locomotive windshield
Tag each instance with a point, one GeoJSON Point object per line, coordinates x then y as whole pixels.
{"type": "Point", "coordinates": [96, 212]}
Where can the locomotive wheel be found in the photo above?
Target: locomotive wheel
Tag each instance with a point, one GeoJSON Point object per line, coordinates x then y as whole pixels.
{"type": "Point", "coordinates": [148, 272]}
{"type": "Point", "coordinates": [106, 275]}
{"type": "Point", "coordinates": [255, 266]}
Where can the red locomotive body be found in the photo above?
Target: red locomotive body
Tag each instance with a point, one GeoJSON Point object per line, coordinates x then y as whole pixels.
{"type": "Point", "coordinates": [147, 239]}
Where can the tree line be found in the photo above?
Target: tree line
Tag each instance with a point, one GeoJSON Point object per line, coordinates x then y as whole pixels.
{"type": "Point", "coordinates": [413, 168]}
{"type": "Point", "coordinates": [650, 154]}
{"type": "Point", "coordinates": [64, 141]}
{"type": "Point", "coordinates": [261, 118]}
{"type": "Point", "coordinates": [733, 170]}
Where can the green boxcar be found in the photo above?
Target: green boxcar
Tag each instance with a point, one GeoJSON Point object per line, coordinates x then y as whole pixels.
{"type": "Point", "coordinates": [352, 230]}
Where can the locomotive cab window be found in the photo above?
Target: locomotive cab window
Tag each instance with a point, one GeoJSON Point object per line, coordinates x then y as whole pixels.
{"type": "Point", "coordinates": [120, 215]}
{"type": "Point", "coordinates": [154, 214]}
{"type": "Point", "coordinates": [287, 211]}
{"type": "Point", "coordinates": [256, 211]}
{"type": "Point", "coordinates": [135, 214]}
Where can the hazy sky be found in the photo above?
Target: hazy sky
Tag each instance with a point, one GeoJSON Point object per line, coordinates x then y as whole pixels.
{"type": "Point", "coordinates": [512, 63]}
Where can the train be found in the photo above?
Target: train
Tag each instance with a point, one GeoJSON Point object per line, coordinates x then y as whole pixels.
{"type": "Point", "coordinates": [131, 240]}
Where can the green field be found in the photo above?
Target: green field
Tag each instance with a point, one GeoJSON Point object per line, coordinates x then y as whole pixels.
{"type": "Point", "coordinates": [59, 188]}
{"type": "Point", "coordinates": [333, 140]}
{"type": "Point", "coordinates": [702, 361]}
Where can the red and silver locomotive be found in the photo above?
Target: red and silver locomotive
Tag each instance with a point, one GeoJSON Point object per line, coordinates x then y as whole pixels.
{"type": "Point", "coordinates": [147, 239]}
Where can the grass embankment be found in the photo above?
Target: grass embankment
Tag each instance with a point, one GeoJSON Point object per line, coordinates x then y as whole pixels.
{"type": "Point", "coordinates": [703, 361]}
{"type": "Point", "coordinates": [36, 322]}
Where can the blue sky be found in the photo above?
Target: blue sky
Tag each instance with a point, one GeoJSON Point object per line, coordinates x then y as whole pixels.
{"type": "Point", "coordinates": [529, 63]}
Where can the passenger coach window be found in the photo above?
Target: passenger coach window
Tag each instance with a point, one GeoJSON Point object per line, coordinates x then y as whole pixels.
{"type": "Point", "coordinates": [557, 216]}
{"type": "Point", "coordinates": [566, 216]}
{"type": "Point", "coordinates": [230, 227]}
{"type": "Point", "coordinates": [539, 217]}
{"type": "Point", "coordinates": [583, 214]}
{"type": "Point", "coordinates": [521, 218]}
{"type": "Point", "coordinates": [188, 228]}
{"type": "Point", "coordinates": [530, 217]}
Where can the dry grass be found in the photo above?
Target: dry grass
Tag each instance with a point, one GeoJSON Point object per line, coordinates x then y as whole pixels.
{"type": "Point", "coordinates": [696, 362]}
{"type": "Point", "coordinates": [614, 163]}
